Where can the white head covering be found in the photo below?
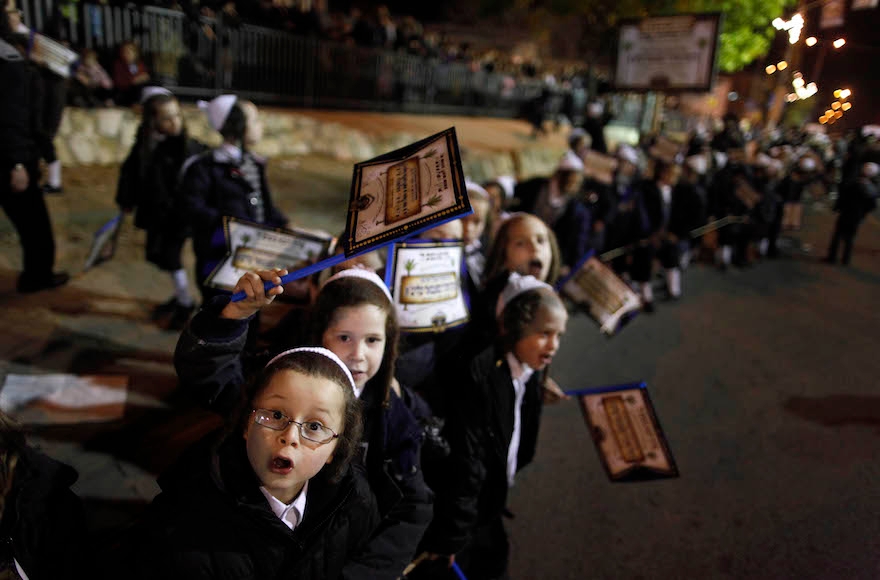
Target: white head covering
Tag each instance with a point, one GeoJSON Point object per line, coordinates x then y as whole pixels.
{"type": "Point", "coordinates": [507, 183]}
{"type": "Point", "coordinates": [323, 352]}
{"type": "Point", "coordinates": [217, 110]}
{"type": "Point", "coordinates": [149, 92]}
{"type": "Point", "coordinates": [870, 170]}
{"type": "Point", "coordinates": [628, 153]}
{"type": "Point", "coordinates": [475, 190]}
{"type": "Point", "coordinates": [516, 285]}
{"type": "Point", "coordinates": [763, 160]}
{"type": "Point", "coordinates": [720, 159]}
{"type": "Point", "coordinates": [368, 275]}
{"type": "Point", "coordinates": [570, 162]}
{"type": "Point", "coordinates": [595, 109]}
{"type": "Point", "coordinates": [698, 164]}
{"type": "Point", "coordinates": [807, 164]}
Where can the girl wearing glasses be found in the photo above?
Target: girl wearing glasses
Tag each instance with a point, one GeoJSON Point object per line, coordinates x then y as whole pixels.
{"type": "Point", "coordinates": [276, 496]}
{"type": "Point", "coordinates": [353, 316]}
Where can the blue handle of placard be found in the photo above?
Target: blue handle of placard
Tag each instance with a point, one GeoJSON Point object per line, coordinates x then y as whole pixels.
{"type": "Point", "coordinates": [307, 271]}
{"type": "Point", "coordinates": [457, 569]}
{"type": "Point", "coordinates": [606, 389]}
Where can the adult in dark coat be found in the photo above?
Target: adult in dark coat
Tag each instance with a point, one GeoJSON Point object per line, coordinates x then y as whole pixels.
{"type": "Point", "coordinates": [724, 201]}
{"type": "Point", "coordinates": [212, 521]}
{"type": "Point", "coordinates": [857, 199]}
{"type": "Point", "coordinates": [657, 195]}
{"type": "Point", "coordinates": [20, 195]}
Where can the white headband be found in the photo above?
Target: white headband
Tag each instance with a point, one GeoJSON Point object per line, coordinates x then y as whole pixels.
{"type": "Point", "coordinates": [149, 92]}
{"type": "Point", "coordinates": [367, 275]}
{"type": "Point", "coordinates": [516, 285]}
{"type": "Point", "coordinates": [323, 352]}
{"type": "Point", "coordinates": [217, 110]}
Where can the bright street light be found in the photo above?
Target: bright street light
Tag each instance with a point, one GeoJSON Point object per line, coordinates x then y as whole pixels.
{"type": "Point", "coordinates": [835, 105]}
{"type": "Point", "coordinates": [812, 41]}
{"type": "Point", "coordinates": [771, 68]}
{"type": "Point", "coordinates": [846, 106]}
{"type": "Point", "coordinates": [845, 93]}
{"type": "Point", "coordinates": [839, 42]}
{"type": "Point", "coordinates": [782, 65]}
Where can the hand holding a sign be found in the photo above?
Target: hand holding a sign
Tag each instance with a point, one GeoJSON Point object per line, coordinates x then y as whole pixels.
{"type": "Point", "coordinates": [552, 393]}
{"type": "Point", "coordinates": [253, 286]}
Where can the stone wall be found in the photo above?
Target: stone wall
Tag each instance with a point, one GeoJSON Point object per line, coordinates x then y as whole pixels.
{"type": "Point", "coordinates": [105, 136]}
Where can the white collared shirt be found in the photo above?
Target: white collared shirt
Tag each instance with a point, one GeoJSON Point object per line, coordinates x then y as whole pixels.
{"type": "Point", "coordinates": [290, 514]}
{"type": "Point", "coordinates": [520, 373]}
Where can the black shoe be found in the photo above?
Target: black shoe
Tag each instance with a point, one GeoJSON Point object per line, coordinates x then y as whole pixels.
{"type": "Point", "coordinates": [52, 189]}
{"type": "Point", "coordinates": [180, 317]}
{"type": "Point", "coordinates": [28, 285]}
{"type": "Point", "coordinates": [165, 309]}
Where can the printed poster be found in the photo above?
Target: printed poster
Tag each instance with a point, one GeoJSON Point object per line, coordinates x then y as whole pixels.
{"type": "Point", "coordinates": [258, 247]}
{"type": "Point", "coordinates": [52, 55]}
{"type": "Point", "coordinates": [666, 150]}
{"type": "Point", "coordinates": [606, 297]}
{"type": "Point", "coordinates": [406, 191]}
{"type": "Point", "coordinates": [600, 167]}
{"type": "Point", "coordinates": [626, 432]}
{"type": "Point", "coordinates": [426, 285]}
{"type": "Point", "coordinates": [105, 242]}
{"type": "Point", "coordinates": [667, 53]}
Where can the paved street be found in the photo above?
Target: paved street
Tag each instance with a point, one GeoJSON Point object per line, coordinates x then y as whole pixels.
{"type": "Point", "coordinates": [764, 380]}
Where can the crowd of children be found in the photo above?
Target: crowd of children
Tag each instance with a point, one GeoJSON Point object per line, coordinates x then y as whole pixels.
{"type": "Point", "coordinates": [350, 449]}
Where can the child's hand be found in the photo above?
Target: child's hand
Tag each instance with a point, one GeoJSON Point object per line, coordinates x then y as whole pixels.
{"type": "Point", "coordinates": [449, 559]}
{"type": "Point", "coordinates": [252, 285]}
{"type": "Point", "coordinates": [19, 179]}
{"type": "Point", "coordinates": [552, 393]}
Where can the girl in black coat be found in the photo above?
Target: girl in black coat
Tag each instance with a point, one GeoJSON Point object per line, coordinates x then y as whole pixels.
{"type": "Point", "coordinates": [148, 182]}
{"type": "Point", "coordinates": [274, 498]}
{"type": "Point", "coordinates": [354, 317]}
{"type": "Point", "coordinates": [494, 430]}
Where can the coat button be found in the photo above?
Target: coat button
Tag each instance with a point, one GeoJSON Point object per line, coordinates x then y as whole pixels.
{"type": "Point", "coordinates": [254, 201]}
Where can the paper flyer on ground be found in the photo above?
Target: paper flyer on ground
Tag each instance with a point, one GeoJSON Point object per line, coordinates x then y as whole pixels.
{"type": "Point", "coordinates": [607, 298]}
{"type": "Point", "coordinates": [105, 242]}
{"type": "Point", "coordinates": [407, 190]}
{"type": "Point", "coordinates": [64, 398]}
{"type": "Point", "coordinates": [627, 435]}
{"type": "Point", "coordinates": [426, 285]}
{"type": "Point", "coordinates": [257, 247]}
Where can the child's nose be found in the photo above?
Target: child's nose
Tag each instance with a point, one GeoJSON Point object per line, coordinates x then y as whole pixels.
{"type": "Point", "coordinates": [290, 436]}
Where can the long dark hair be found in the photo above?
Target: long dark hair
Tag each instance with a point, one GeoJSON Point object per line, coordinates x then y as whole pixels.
{"type": "Point", "coordinates": [144, 143]}
{"type": "Point", "coordinates": [314, 365]}
{"type": "Point", "coordinates": [352, 292]}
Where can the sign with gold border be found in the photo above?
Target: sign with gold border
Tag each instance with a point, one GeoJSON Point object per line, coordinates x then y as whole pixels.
{"type": "Point", "coordinates": [251, 246]}
{"type": "Point", "coordinates": [626, 432]}
{"type": "Point", "coordinates": [406, 191]}
{"type": "Point", "coordinates": [425, 280]}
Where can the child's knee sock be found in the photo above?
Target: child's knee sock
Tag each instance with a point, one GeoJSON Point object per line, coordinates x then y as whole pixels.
{"type": "Point", "coordinates": [181, 288]}
{"type": "Point", "coordinates": [54, 174]}
{"type": "Point", "coordinates": [673, 282]}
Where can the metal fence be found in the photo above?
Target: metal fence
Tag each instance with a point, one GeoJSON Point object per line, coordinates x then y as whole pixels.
{"type": "Point", "coordinates": [205, 57]}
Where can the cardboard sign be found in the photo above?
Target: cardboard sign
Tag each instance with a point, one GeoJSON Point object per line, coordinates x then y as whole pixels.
{"type": "Point", "coordinates": [425, 278]}
{"type": "Point", "coordinates": [52, 55]}
{"type": "Point", "coordinates": [626, 432]}
{"type": "Point", "coordinates": [253, 246]}
{"type": "Point", "coordinates": [666, 150]}
{"type": "Point", "coordinates": [406, 191]}
{"type": "Point", "coordinates": [596, 287]}
{"type": "Point", "coordinates": [600, 167]}
{"type": "Point", "coordinates": [105, 242]}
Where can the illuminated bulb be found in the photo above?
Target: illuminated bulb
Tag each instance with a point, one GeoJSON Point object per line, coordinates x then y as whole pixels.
{"type": "Point", "coordinates": [811, 41]}
{"type": "Point", "coordinates": [823, 120]}
{"type": "Point", "coordinates": [778, 23]}
{"type": "Point", "coordinates": [798, 82]}
{"type": "Point", "coordinates": [771, 68]}
{"type": "Point", "coordinates": [837, 93]}
{"type": "Point", "coordinates": [845, 93]}
{"type": "Point", "coordinates": [782, 65]}
{"type": "Point", "coordinates": [846, 106]}
{"type": "Point", "coordinates": [798, 75]}
{"type": "Point", "coordinates": [829, 113]}
{"type": "Point", "coordinates": [812, 87]}
{"type": "Point", "coordinates": [839, 42]}
{"type": "Point", "coordinates": [838, 114]}
{"type": "Point", "coordinates": [791, 97]}
{"type": "Point", "coordinates": [835, 105]}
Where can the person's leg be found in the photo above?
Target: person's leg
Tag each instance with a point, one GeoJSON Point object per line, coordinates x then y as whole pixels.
{"type": "Point", "coordinates": [835, 242]}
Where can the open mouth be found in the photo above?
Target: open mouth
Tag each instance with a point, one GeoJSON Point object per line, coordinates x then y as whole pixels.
{"type": "Point", "coordinates": [535, 268]}
{"type": "Point", "coordinates": [282, 465]}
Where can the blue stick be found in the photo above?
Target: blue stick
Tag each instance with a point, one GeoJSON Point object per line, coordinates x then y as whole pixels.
{"type": "Point", "coordinates": [458, 572]}
{"type": "Point", "coordinates": [307, 271]}
{"type": "Point", "coordinates": [606, 389]}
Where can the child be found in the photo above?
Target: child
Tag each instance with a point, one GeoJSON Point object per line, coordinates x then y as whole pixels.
{"type": "Point", "coordinates": [494, 429]}
{"type": "Point", "coordinates": [474, 226]}
{"type": "Point", "coordinates": [228, 181]}
{"type": "Point", "coordinates": [275, 496]}
{"type": "Point", "coordinates": [148, 183]}
{"type": "Point", "coordinates": [129, 74]}
{"type": "Point", "coordinates": [92, 84]}
{"type": "Point", "coordinates": [352, 316]}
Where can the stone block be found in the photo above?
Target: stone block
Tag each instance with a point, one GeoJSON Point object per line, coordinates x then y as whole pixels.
{"type": "Point", "coordinates": [127, 136]}
{"type": "Point", "coordinates": [82, 149]}
{"type": "Point", "coordinates": [82, 122]}
{"type": "Point", "coordinates": [268, 147]}
{"type": "Point", "coordinates": [108, 122]}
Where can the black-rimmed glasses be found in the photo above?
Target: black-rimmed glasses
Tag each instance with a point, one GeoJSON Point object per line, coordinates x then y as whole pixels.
{"type": "Point", "coordinates": [278, 421]}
